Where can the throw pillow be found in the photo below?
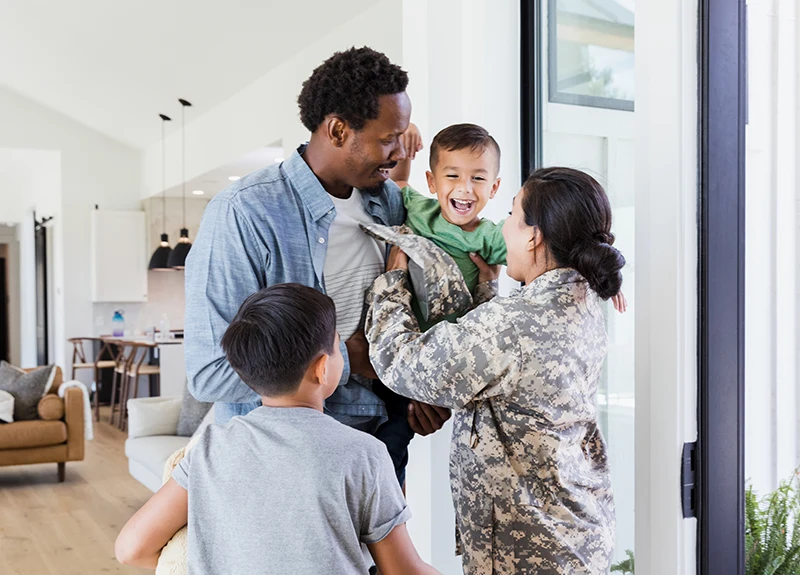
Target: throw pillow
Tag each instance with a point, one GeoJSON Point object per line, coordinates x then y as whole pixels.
{"type": "Point", "coordinates": [192, 413]}
{"type": "Point", "coordinates": [50, 408]}
{"type": "Point", "coordinates": [6, 407]}
{"type": "Point", "coordinates": [26, 387]}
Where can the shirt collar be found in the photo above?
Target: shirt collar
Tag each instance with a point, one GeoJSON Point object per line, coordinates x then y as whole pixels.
{"type": "Point", "coordinates": [306, 185]}
{"type": "Point", "coordinates": [553, 279]}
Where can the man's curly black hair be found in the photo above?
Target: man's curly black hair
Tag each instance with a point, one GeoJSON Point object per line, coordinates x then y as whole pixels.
{"type": "Point", "coordinates": [348, 84]}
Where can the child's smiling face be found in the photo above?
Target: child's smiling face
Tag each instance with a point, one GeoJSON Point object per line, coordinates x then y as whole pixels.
{"type": "Point", "coordinates": [464, 181]}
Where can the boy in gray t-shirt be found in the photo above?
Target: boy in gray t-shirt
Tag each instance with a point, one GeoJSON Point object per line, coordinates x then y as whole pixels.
{"type": "Point", "coordinates": [284, 489]}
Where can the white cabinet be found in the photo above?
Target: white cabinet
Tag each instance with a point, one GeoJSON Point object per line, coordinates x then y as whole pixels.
{"type": "Point", "coordinates": [119, 256]}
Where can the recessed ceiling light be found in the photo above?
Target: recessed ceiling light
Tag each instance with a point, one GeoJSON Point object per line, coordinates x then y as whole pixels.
{"type": "Point", "coordinates": [198, 192]}
{"type": "Point", "coordinates": [278, 160]}
{"type": "Point", "coordinates": [234, 178]}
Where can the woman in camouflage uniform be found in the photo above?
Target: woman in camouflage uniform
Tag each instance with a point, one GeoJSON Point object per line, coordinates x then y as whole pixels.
{"type": "Point", "coordinates": [529, 469]}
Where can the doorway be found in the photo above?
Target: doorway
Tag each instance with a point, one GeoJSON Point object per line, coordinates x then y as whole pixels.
{"type": "Point", "coordinates": [663, 132]}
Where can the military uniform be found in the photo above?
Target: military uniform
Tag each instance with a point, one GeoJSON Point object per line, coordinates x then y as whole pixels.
{"type": "Point", "coordinates": [529, 468]}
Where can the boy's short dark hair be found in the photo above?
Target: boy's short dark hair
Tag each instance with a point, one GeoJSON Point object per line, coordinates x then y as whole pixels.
{"type": "Point", "coordinates": [349, 84]}
{"type": "Point", "coordinates": [276, 334]}
{"type": "Point", "coordinates": [460, 137]}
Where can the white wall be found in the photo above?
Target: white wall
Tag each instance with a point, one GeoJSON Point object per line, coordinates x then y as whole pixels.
{"type": "Point", "coordinates": [772, 218]}
{"type": "Point", "coordinates": [8, 239]}
{"type": "Point", "coordinates": [93, 170]}
{"type": "Point", "coordinates": [463, 63]}
{"type": "Point", "coordinates": [266, 111]}
{"type": "Point", "coordinates": [666, 282]}
{"type": "Point", "coordinates": [30, 181]}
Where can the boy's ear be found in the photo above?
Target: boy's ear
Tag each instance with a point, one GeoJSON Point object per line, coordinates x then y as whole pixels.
{"type": "Point", "coordinates": [494, 189]}
{"type": "Point", "coordinates": [431, 181]}
{"type": "Point", "coordinates": [319, 368]}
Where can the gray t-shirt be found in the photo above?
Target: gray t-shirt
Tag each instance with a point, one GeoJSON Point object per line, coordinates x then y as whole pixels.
{"type": "Point", "coordinates": [287, 491]}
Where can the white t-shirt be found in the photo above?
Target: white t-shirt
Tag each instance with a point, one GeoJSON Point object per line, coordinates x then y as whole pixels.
{"type": "Point", "coordinates": [352, 263]}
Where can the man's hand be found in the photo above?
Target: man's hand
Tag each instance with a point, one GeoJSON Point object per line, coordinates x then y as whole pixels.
{"type": "Point", "coordinates": [486, 272]}
{"type": "Point", "coordinates": [424, 419]}
{"type": "Point", "coordinates": [398, 260]}
{"type": "Point", "coordinates": [358, 352]}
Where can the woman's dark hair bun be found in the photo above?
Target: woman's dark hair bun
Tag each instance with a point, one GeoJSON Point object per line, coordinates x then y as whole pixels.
{"type": "Point", "coordinates": [600, 264]}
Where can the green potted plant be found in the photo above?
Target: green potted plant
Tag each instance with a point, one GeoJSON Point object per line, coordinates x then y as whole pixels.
{"type": "Point", "coordinates": [772, 530]}
{"type": "Point", "coordinates": [626, 565]}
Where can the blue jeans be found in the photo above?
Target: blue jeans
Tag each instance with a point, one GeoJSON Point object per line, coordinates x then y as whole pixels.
{"type": "Point", "coordinates": [395, 432]}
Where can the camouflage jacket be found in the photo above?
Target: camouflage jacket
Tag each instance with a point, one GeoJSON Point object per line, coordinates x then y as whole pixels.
{"type": "Point", "coordinates": [528, 466]}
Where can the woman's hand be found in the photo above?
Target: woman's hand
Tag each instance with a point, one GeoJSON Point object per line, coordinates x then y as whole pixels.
{"type": "Point", "coordinates": [398, 260]}
{"type": "Point", "coordinates": [620, 302]}
{"type": "Point", "coordinates": [486, 273]}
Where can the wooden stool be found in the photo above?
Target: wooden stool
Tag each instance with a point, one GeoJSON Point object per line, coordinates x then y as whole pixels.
{"type": "Point", "coordinates": [136, 369]}
{"type": "Point", "coordinates": [79, 361]}
{"type": "Point", "coordinates": [123, 361]}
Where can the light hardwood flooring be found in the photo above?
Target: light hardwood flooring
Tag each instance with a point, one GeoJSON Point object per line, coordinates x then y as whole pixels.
{"type": "Point", "coordinates": [65, 528]}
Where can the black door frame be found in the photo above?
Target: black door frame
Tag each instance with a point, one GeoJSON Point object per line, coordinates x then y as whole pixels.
{"type": "Point", "coordinates": [42, 320]}
{"type": "Point", "coordinates": [722, 112]}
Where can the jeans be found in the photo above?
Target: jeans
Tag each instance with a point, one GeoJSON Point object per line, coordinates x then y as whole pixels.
{"type": "Point", "coordinates": [396, 433]}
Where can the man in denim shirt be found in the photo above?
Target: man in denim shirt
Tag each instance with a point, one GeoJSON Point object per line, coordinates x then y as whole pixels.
{"type": "Point", "coordinates": [273, 225]}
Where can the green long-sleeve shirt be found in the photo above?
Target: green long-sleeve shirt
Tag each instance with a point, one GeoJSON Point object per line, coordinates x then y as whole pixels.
{"type": "Point", "coordinates": [425, 219]}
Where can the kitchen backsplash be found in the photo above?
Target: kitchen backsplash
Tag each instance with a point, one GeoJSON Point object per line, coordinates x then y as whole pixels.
{"type": "Point", "coordinates": [165, 296]}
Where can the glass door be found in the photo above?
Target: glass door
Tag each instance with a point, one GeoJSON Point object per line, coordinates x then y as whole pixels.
{"type": "Point", "coordinates": [587, 92]}
{"type": "Point", "coordinates": [649, 99]}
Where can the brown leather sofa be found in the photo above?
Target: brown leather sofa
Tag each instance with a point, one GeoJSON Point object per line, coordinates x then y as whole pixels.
{"type": "Point", "coordinates": [57, 439]}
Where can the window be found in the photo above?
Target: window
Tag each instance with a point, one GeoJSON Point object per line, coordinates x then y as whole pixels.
{"type": "Point", "coordinates": [590, 53]}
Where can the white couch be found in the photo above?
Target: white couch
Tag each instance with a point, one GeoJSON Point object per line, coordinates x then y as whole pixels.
{"type": "Point", "coordinates": [152, 437]}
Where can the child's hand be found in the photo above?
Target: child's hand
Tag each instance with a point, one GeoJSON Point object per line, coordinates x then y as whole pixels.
{"type": "Point", "coordinates": [398, 260]}
{"type": "Point", "coordinates": [412, 141]}
{"type": "Point", "coordinates": [620, 303]}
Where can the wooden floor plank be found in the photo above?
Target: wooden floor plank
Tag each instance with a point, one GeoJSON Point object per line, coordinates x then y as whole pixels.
{"type": "Point", "coordinates": [48, 527]}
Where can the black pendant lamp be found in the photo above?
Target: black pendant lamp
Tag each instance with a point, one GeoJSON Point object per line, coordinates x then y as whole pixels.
{"type": "Point", "coordinates": [177, 259]}
{"type": "Point", "coordinates": [160, 258]}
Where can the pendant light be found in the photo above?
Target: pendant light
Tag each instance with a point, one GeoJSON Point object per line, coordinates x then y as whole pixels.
{"type": "Point", "coordinates": [177, 259]}
{"type": "Point", "coordinates": [160, 257]}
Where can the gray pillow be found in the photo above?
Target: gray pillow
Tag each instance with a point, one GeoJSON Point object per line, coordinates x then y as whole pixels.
{"type": "Point", "coordinates": [26, 387]}
{"type": "Point", "coordinates": [192, 413]}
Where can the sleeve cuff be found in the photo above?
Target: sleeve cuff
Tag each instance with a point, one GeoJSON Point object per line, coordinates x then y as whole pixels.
{"type": "Point", "coordinates": [180, 476]}
{"type": "Point", "coordinates": [382, 531]}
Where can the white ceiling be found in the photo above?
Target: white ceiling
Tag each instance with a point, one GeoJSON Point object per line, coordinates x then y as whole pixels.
{"type": "Point", "coordinates": [213, 182]}
{"type": "Point", "coordinates": [116, 65]}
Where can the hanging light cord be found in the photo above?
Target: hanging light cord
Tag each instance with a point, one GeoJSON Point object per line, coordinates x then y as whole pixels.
{"type": "Point", "coordinates": [183, 160]}
{"type": "Point", "coordinates": [184, 105]}
{"type": "Point", "coordinates": [163, 175]}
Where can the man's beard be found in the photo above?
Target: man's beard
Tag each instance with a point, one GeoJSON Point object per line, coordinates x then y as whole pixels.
{"type": "Point", "coordinates": [373, 191]}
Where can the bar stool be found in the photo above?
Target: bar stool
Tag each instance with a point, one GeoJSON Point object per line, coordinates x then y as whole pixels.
{"type": "Point", "coordinates": [136, 369]}
{"type": "Point", "coordinates": [79, 362]}
{"type": "Point", "coordinates": [123, 361]}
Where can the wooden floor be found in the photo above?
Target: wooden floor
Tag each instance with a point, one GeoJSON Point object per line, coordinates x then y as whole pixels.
{"type": "Point", "coordinates": [65, 528]}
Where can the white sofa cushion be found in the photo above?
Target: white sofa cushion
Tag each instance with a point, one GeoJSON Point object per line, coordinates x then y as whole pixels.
{"type": "Point", "coordinates": [153, 451]}
{"type": "Point", "coordinates": [153, 416]}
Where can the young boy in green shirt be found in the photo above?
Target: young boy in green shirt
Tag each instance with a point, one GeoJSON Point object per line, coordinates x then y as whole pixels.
{"type": "Point", "coordinates": [463, 175]}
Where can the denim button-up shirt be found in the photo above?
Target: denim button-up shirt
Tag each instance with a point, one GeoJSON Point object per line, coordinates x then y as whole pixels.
{"type": "Point", "coordinates": [270, 227]}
